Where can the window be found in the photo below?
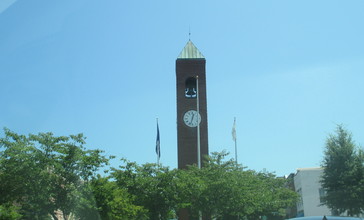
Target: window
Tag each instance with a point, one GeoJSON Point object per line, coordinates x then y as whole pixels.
{"type": "Point", "coordinates": [300, 202]}
{"type": "Point", "coordinates": [322, 194]}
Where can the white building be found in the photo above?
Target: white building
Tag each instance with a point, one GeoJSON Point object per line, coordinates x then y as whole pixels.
{"type": "Point", "coordinates": [307, 184]}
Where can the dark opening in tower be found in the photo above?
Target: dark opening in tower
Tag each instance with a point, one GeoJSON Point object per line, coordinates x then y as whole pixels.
{"type": "Point", "coordinates": [190, 90]}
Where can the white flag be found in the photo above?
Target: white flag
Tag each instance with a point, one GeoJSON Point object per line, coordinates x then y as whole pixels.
{"type": "Point", "coordinates": [233, 131]}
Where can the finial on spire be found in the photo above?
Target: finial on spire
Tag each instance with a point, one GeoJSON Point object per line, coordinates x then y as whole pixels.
{"type": "Point", "coordinates": [189, 33]}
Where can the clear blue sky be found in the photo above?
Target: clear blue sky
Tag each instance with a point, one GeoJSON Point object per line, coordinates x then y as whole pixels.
{"type": "Point", "coordinates": [289, 71]}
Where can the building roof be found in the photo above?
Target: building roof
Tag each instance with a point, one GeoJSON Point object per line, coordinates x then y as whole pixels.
{"type": "Point", "coordinates": [190, 51]}
{"type": "Point", "coordinates": [309, 169]}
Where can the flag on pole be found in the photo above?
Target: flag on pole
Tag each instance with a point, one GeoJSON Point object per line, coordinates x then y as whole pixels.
{"type": "Point", "coordinates": [233, 131]}
{"type": "Point", "coordinates": [158, 144]}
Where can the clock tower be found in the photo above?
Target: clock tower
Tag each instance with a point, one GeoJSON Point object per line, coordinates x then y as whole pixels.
{"type": "Point", "coordinates": [191, 106]}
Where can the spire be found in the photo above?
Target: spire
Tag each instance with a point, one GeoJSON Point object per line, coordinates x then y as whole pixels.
{"type": "Point", "coordinates": [190, 51]}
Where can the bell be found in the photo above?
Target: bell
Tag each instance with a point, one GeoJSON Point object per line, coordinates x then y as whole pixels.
{"type": "Point", "coordinates": [190, 92]}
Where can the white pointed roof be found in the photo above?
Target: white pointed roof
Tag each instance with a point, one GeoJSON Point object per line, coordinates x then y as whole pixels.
{"type": "Point", "coordinates": [190, 51]}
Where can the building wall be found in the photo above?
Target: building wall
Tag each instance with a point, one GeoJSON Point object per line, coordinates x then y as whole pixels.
{"type": "Point", "coordinates": [307, 184]}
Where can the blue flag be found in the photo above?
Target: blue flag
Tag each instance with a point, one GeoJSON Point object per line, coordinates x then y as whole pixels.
{"type": "Point", "coordinates": [158, 144]}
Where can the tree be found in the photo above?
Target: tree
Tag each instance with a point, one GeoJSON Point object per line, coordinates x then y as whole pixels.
{"type": "Point", "coordinates": [22, 176]}
{"type": "Point", "coordinates": [224, 190]}
{"type": "Point", "coordinates": [114, 202]}
{"type": "Point", "coordinates": [343, 177]}
{"type": "Point", "coordinates": [44, 174]}
{"type": "Point", "coordinates": [272, 196]}
{"type": "Point", "coordinates": [217, 189]}
{"type": "Point", "coordinates": [152, 185]}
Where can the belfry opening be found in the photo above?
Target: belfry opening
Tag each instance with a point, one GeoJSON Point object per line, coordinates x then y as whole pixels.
{"type": "Point", "coordinates": [191, 91]}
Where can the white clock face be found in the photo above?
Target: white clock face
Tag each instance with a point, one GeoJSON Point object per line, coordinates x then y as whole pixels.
{"type": "Point", "coordinates": [191, 118]}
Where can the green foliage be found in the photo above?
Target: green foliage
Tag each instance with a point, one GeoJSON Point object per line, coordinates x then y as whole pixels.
{"type": "Point", "coordinates": [44, 173]}
{"type": "Point", "coordinates": [9, 212]}
{"type": "Point", "coordinates": [85, 208]}
{"type": "Point", "coordinates": [114, 202]}
{"type": "Point", "coordinates": [222, 189]}
{"type": "Point", "coordinates": [152, 185]}
{"type": "Point", "coordinates": [41, 174]}
{"type": "Point", "coordinates": [271, 195]}
{"type": "Point", "coordinates": [343, 178]}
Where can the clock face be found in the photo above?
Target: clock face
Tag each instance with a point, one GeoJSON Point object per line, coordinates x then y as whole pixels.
{"type": "Point", "coordinates": [191, 118]}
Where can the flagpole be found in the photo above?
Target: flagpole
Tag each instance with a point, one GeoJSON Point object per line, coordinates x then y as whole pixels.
{"type": "Point", "coordinates": [198, 134]}
{"type": "Point", "coordinates": [198, 125]}
{"type": "Point", "coordinates": [236, 152]}
{"type": "Point", "coordinates": [233, 132]}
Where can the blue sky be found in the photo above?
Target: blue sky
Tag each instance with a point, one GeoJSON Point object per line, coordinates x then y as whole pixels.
{"type": "Point", "coordinates": [289, 71]}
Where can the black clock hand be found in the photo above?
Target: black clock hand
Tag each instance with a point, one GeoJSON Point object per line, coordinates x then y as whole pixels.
{"type": "Point", "coordinates": [193, 115]}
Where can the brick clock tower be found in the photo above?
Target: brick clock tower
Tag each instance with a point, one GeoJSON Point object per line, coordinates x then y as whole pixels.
{"type": "Point", "coordinates": [191, 117]}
